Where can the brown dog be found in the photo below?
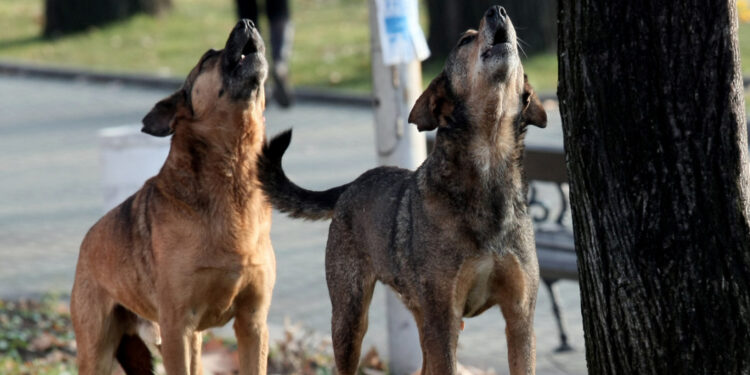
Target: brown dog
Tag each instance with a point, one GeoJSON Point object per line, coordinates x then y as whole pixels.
{"type": "Point", "coordinates": [452, 238]}
{"type": "Point", "coordinates": [191, 249]}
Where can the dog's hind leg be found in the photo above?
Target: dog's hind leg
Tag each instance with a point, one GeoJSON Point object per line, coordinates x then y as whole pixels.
{"type": "Point", "coordinates": [97, 327]}
{"type": "Point", "coordinates": [134, 355]}
{"type": "Point", "coordinates": [517, 290]}
{"type": "Point", "coordinates": [350, 287]}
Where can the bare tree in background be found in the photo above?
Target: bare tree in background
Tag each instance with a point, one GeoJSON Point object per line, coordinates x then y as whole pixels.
{"type": "Point", "coordinates": [653, 114]}
{"type": "Point", "coordinates": [535, 22]}
{"type": "Point", "coordinates": [66, 16]}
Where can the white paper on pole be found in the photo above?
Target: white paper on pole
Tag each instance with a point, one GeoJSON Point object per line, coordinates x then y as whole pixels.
{"type": "Point", "coordinates": [401, 36]}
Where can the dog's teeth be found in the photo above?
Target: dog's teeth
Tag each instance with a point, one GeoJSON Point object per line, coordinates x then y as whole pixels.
{"type": "Point", "coordinates": [242, 57]}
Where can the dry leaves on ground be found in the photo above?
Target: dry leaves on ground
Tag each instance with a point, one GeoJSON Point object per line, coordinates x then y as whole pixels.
{"type": "Point", "coordinates": [37, 339]}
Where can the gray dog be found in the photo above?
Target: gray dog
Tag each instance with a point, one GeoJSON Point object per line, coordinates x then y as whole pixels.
{"type": "Point", "coordinates": [453, 238]}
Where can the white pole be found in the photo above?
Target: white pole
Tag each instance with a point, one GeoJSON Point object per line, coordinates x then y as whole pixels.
{"type": "Point", "coordinates": [398, 143]}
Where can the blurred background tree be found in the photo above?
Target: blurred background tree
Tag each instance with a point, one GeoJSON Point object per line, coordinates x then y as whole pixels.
{"type": "Point", "coordinates": [66, 16]}
{"type": "Point", "coordinates": [535, 22]}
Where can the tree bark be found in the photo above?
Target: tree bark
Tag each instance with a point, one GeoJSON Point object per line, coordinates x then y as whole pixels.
{"type": "Point", "coordinates": [534, 21]}
{"type": "Point", "coordinates": [653, 116]}
{"type": "Point", "coordinates": [66, 16]}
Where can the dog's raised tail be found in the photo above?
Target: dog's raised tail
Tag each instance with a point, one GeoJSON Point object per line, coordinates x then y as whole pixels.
{"type": "Point", "coordinates": [285, 195]}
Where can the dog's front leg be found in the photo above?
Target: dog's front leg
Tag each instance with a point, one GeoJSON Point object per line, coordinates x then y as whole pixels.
{"type": "Point", "coordinates": [516, 293]}
{"type": "Point", "coordinates": [196, 343]}
{"type": "Point", "coordinates": [175, 348]}
{"type": "Point", "coordinates": [439, 335]}
{"type": "Point", "coordinates": [252, 339]}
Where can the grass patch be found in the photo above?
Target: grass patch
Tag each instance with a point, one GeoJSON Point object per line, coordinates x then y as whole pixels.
{"type": "Point", "coordinates": [169, 45]}
{"type": "Point", "coordinates": [331, 44]}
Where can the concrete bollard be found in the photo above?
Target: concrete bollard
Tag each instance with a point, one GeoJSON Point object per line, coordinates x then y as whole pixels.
{"type": "Point", "coordinates": [127, 159]}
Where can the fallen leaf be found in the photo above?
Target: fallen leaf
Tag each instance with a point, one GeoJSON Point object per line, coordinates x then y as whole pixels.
{"type": "Point", "coordinates": [372, 360]}
{"type": "Point", "coordinates": [220, 361]}
{"type": "Point", "coordinates": [43, 342]}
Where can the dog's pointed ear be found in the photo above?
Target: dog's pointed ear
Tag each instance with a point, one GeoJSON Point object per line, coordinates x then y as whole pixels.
{"type": "Point", "coordinates": [434, 108]}
{"type": "Point", "coordinates": [533, 110]}
{"type": "Point", "coordinates": [159, 121]}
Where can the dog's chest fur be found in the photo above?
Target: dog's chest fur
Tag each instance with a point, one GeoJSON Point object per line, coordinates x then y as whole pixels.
{"type": "Point", "coordinates": [478, 274]}
{"type": "Point", "coordinates": [229, 253]}
{"type": "Point", "coordinates": [484, 206]}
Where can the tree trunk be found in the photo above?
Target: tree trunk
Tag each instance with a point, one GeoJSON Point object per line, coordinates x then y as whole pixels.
{"type": "Point", "coordinates": [534, 21]}
{"type": "Point", "coordinates": [656, 145]}
{"type": "Point", "coordinates": [66, 16]}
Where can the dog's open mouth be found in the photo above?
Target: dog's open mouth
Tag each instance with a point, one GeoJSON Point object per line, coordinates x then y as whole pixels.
{"type": "Point", "coordinates": [500, 43]}
{"type": "Point", "coordinates": [248, 49]}
{"type": "Point", "coordinates": [242, 43]}
{"type": "Point", "coordinates": [243, 64]}
{"type": "Point", "coordinates": [501, 36]}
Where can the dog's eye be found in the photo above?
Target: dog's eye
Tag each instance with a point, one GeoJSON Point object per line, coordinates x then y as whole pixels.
{"type": "Point", "coordinates": [466, 40]}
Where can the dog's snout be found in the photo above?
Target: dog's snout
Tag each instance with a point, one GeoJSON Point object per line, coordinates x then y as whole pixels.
{"type": "Point", "coordinates": [244, 25]}
{"type": "Point", "coordinates": [496, 13]}
{"type": "Point", "coordinates": [491, 13]}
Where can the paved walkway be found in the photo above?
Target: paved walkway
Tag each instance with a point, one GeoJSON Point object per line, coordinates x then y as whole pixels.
{"type": "Point", "coordinates": [50, 194]}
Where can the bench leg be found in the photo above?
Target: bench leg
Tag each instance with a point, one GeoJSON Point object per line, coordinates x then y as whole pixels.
{"type": "Point", "coordinates": [564, 204]}
{"type": "Point", "coordinates": [564, 346]}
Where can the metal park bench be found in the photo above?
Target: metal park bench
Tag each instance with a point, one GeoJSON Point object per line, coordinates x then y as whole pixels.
{"type": "Point", "coordinates": [554, 240]}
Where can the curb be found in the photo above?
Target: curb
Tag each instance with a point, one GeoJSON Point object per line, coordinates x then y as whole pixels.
{"type": "Point", "coordinates": [302, 94]}
{"type": "Point", "coordinates": [40, 71]}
